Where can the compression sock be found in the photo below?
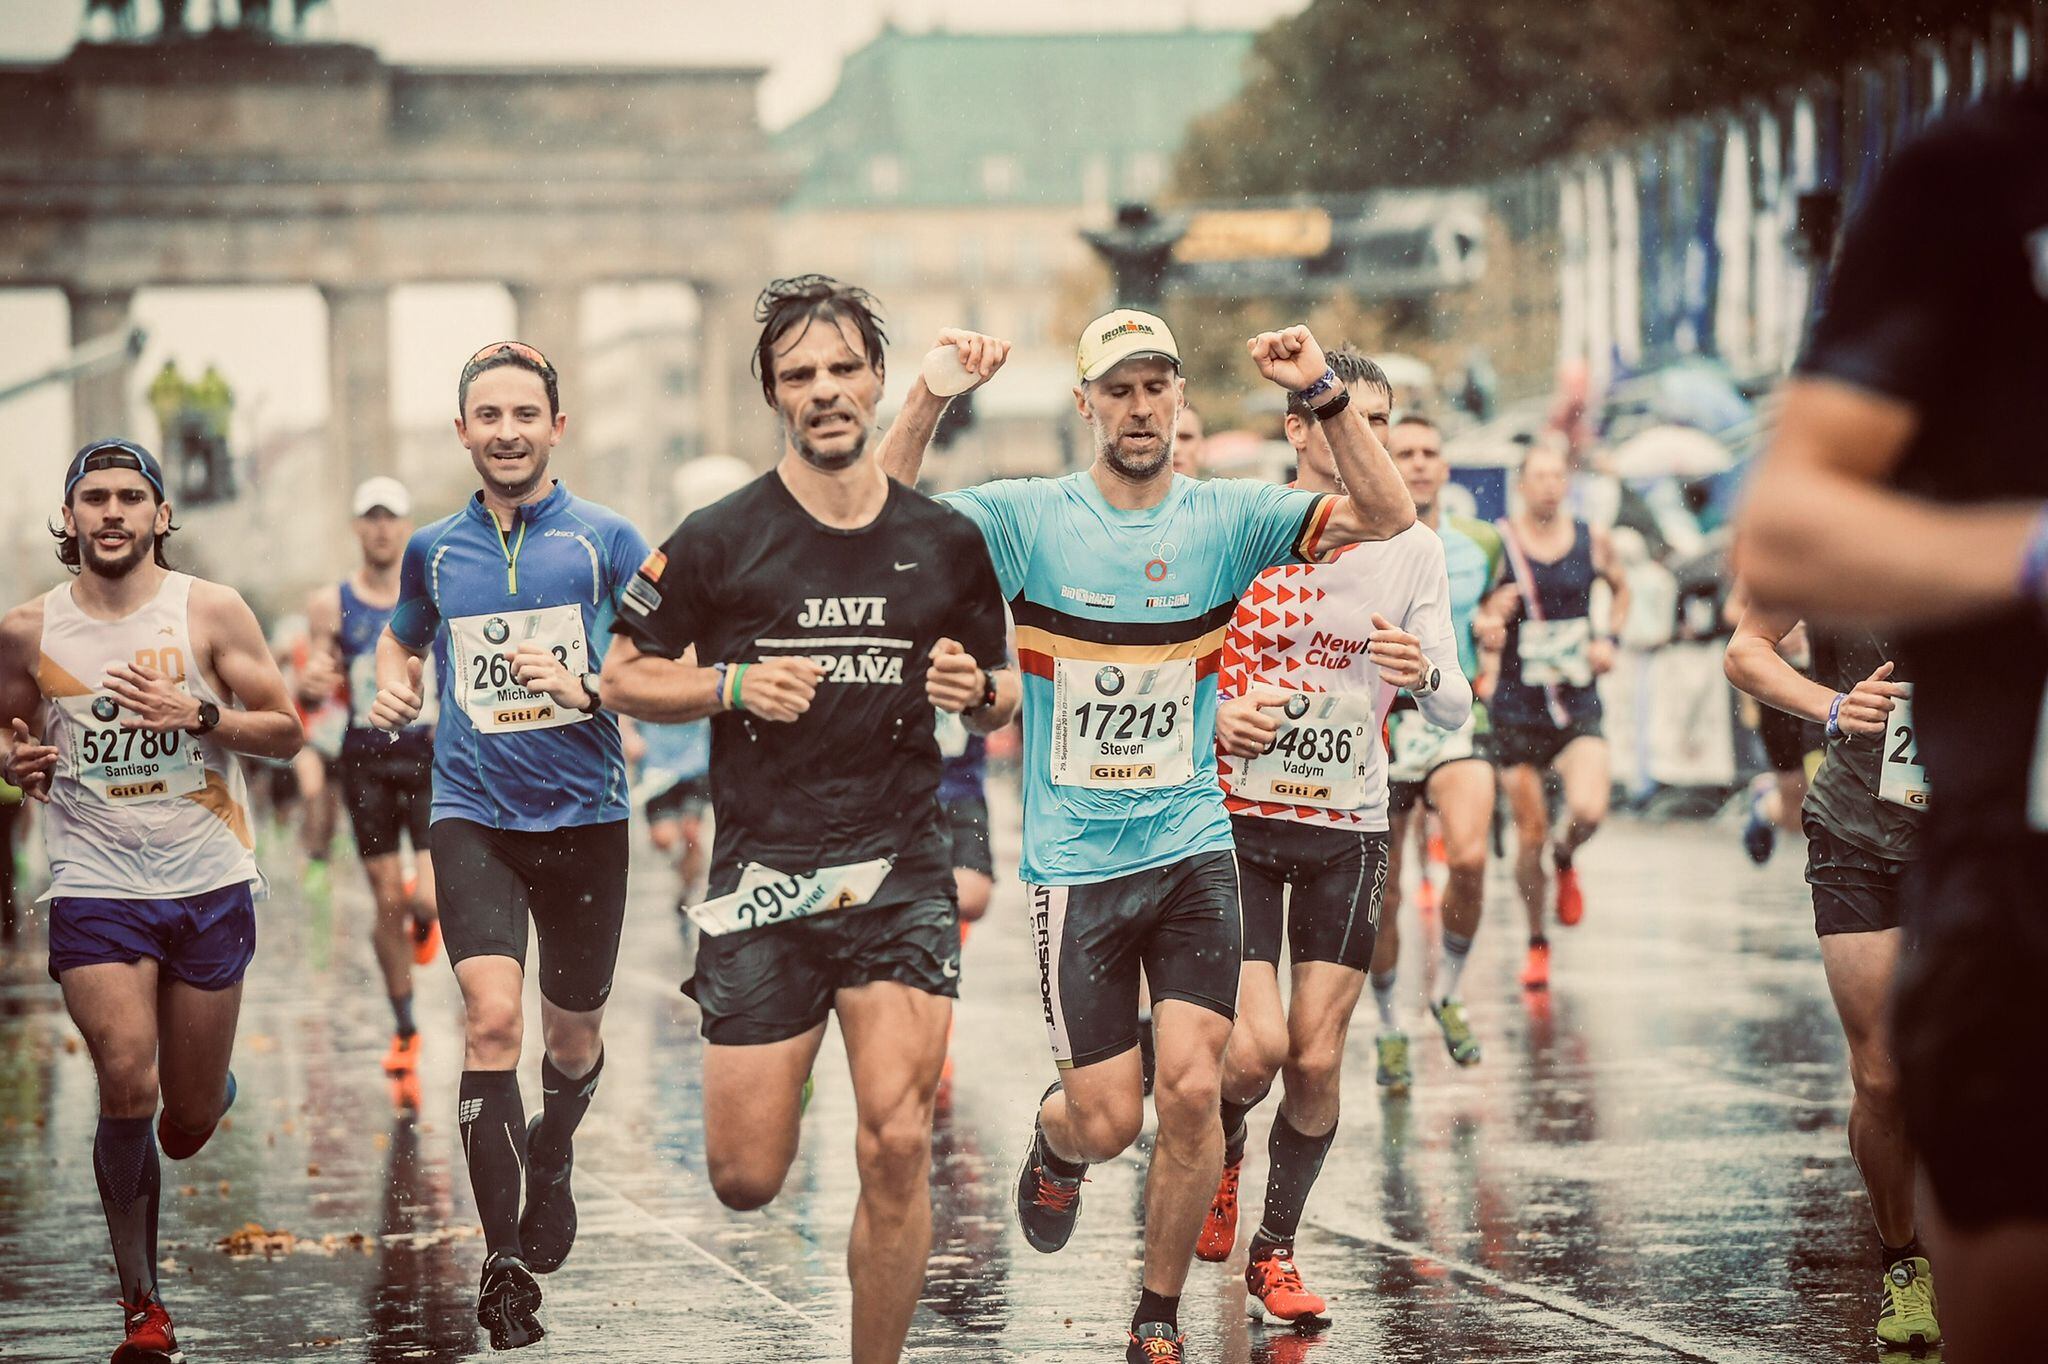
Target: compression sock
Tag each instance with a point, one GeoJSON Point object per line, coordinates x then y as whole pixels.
{"type": "Point", "coordinates": [124, 1161]}
{"type": "Point", "coordinates": [401, 1015]}
{"type": "Point", "coordinates": [1383, 1000]}
{"type": "Point", "coordinates": [1457, 947]}
{"type": "Point", "coordinates": [493, 1124]}
{"type": "Point", "coordinates": [563, 1103]}
{"type": "Point", "coordinates": [1296, 1161]}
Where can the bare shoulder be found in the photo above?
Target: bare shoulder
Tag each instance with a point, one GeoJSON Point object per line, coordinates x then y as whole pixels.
{"type": "Point", "coordinates": [21, 629]}
{"type": "Point", "coordinates": [221, 607]}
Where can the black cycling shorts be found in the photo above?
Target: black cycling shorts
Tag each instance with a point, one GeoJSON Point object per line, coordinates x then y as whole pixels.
{"type": "Point", "coordinates": [1853, 891]}
{"type": "Point", "coordinates": [388, 795]}
{"type": "Point", "coordinates": [1538, 745]}
{"type": "Point", "coordinates": [968, 822]}
{"type": "Point", "coordinates": [1337, 876]}
{"type": "Point", "coordinates": [1179, 922]}
{"type": "Point", "coordinates": [691, 796]}
{"type": "Point", "coordinates": [768, 984]}
{"type": "Point", "coordinates": [571, 883]}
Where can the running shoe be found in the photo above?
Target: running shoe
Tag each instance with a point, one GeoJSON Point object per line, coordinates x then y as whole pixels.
{"type": "Point", "coordinates": [548, 1226]}
{"type": "Point", "coordinates": [1905, 1316]}
{"type": "Point", "coordinates": [404, 1056]}
{"type": "Point", "coordinates": [1759, 837]}
{"type": "Point", "coordinates": [1154, 1342]}
{"type": "Point", "coordinates": [1048, 1205]}
{"type": "Point", "coordinates": [1536, 969]}
{"type": "Point", "coordinates": [1219, 1228]}
{"type": "Point", "coordinates": [179, 1144]}
{"type": "Point", "coordinates": [506, 1302]}
{"type": "Point", "coordinates": [150, 1339]}
{"type": "Point", "coordinates": [426, 941]}
{"type": "Point", "coordinates": [1395, 1074]}
{"type": "Point", "coordinates": [1571, 901]}
{"type": "Point", "coordinates": [1458, 1038]}
{"type": "Point", "coordinates": [1437, 856]}
{"type": "Point", "coordinates": [406, 1092]}
{"type": "Point", "coordinates": [1427, 898]}
{"type": "Point", "coordinates": [1273, 1288]}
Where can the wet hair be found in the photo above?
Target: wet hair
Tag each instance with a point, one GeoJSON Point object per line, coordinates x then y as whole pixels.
{"type": "Point", "coordinates": [518, 355]}
{"type": "Point", "coordinates": [69, 554]}
{"type": "Point", "coordinates": [789, 303]}
{"type": "Point", "coordinates": [1355, 368]}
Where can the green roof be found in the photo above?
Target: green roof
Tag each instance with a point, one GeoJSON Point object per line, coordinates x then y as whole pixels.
{"type": "Point", "coordinates": [940, 104]}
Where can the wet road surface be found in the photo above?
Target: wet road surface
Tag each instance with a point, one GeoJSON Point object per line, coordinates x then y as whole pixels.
{"type": "Point", "coordinates": [1651, 1163]}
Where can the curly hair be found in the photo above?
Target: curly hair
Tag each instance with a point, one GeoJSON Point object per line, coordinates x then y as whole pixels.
{"type": "Point", "coordinates": [801, 299]}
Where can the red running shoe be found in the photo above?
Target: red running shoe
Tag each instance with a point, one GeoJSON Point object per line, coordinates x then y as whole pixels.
{"type": "Point", "coordinates": [1536, 970]}
{"type": "Point", "coordinates": [1571, 901]}
{"type": "Point", "coordinates": [426, 945]}
{"type": "Point", "coordinates": [150, 1340]}
{"type": "Point", "coordinates": [1275, 1290]}
{"type": "Point", "coordinates": [1219, 1229]}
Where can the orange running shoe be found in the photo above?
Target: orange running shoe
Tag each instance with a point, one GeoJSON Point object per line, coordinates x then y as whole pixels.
{"type": "Point", "coordinates": [426, 946]}
{"type": "Point", "coordinates": [1273, 1286]}
{"type": "Point", "coordinates": [1427, 898]}
{"type": "Point", "coordinates": [150, 1339]}
{"type": "Point", "coordinates": [1536, 970]}
{"type": "Point", "coordinates": [404, 1056]}
{"type": "Point", "coordinates": [1219, 1228]}
{"type": "Point", "coordinates": [1437, 857]}
{"type": "Point", "coordinates": [1571, 901]}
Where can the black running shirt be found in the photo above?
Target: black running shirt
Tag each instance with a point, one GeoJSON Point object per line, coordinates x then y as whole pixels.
{"type": "Point", "coordinates": [857, 775]}
{"type": "Point", "coordinates": [1940, 301]}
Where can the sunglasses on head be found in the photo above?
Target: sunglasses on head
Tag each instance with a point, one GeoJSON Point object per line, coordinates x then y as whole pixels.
{"type": "Point", "coordinates": [518, 348]}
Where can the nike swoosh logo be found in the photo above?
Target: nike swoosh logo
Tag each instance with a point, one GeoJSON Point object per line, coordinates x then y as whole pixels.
{"type": "Point", "coordinates": [902, 568]}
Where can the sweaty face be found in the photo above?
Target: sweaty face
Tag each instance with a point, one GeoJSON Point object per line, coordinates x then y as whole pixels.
{"type": "Point", "coordinates": [116, 517]}
{"type": "Point", "coordinates": [825, 392]}
{"type": "Point", "coordinates": [1418, 453]}
{"type": "Point", "coordinates": [382, 536]}
{"type": "Point", "coordinates": [508, 430]}
{"type": "Point", "coordinates": [1131, 410]}
{"type": "Point", "coordinates": [1543, 482]}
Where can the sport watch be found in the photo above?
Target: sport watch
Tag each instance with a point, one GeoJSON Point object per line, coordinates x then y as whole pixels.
{"type": "Point", "coordinates": [209, 718]}
{"type": "Point", "coordinates": [1430, 683]}
{"type": "Point", "coordinates": [589, 682]}
{"type": "Point", "coordinates": [988, 693]}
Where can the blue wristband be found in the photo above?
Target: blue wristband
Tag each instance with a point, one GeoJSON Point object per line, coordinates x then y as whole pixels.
{"type": "Point", "coordinates": [2033, 579]}
{"type": "Point", "coordinates": [1319, 387]}
{"type": "Point", "coordinates": [1835, 716]}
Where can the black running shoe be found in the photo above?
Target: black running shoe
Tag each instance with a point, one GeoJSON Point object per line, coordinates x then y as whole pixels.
{"type": "Point", "coordinates": [1154, 1342]}
{"type": "Point", "coordinates": [506, 1302]}
{"type": "Point", "coordinates": [1047, 1204]}
{"type": "Point", "coordinates": [548, 1227]}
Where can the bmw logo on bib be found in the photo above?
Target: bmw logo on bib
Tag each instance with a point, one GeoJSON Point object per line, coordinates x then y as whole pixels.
{"type": "Point", "coordinates": [1297, 706]}
{"type": "Point", "coordinates": [496, 631]}
{"type": "Point", "coordinates": [104, 708]}
{"type": "Point", "coordinates": [1110, 680]}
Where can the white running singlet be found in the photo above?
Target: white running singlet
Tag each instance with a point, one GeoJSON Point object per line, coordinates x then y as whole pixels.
{"type": "Point", "coordinates": [135, 814]}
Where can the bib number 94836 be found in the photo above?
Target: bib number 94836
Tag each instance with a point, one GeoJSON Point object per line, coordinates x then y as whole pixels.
{"type": "Point", "coordinates": [1318, 758]}
{"type": "Point", "coordinates": [1119, 726]}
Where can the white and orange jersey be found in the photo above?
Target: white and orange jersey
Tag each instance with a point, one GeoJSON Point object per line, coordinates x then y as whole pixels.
{"type": "Point", "coordinates": [134, 814]}
{"type": "Point", "coordinates": [1304, 628]}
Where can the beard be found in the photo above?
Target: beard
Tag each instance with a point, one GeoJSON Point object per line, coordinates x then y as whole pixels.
{"type": "Point", "coordinates": [1140, 468]}
{"type": "Point", "coordinates": [503, 482]}
{"type": "Point", "coordinates": [116, 565]}
{"type": "Point", "coordinates": [834, 461]}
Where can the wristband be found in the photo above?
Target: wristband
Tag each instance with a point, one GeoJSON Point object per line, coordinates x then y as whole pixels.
{"type": "Point", "coordinates": [1319, 387]}
{"type": "Point", "coordinates": [1834, 730]}
{"type": "Point", "coordinates": [1333, 407]}
{"type": "Point", "coordinates": [729, 677]}
{"type": "Point", "coordinates": [2033, 579]}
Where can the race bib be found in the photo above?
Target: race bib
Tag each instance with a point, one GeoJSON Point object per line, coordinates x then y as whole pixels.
{"type": "Point", "coordinates": [952, 733]}
{"type": "Point", "coordinates": [1557, 652]}
{"type": "Point", "coordinates": [1413, 744]}
{"type": "Point", "coordinates": [766, 896]}
{"type": "Point", "coordinates": [1902, 780]}
{"type": "Point", "coordinates": [362, 691]}
{"type": "Point", "coordinates": [482, 649]}
{"type": "Point", "coordinates": [129, 766]}
{"type": "Point", "coordinates": [1122, 726]}
{"type": "Point", "coordinates": [1320, 755]}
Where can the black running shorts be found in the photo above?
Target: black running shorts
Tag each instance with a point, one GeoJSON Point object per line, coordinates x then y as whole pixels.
{"type": "Point", "coordinates": [681, 801]}
{"type": "Point", "coordinates": [1853, 891]}
{"type": "Point", "coordinates": [571, 883]}
{"type": "Point", "coordinates": [1788, 739]}
{"type": "Point", "coordinates": [388, 794]}
{"type": "Point", "coordinates": [1337, 877]}
{"type": "Point", "coordinates": [1968, 1029]}
{"type": "Point", "coordinates": [1178, 922]}
{"type": "Point", "coordinates": [1538, 745]}
{"type": "Point", "coordinates": [968, 821]}
{"type": "Point", "coordinates": [768, 984]}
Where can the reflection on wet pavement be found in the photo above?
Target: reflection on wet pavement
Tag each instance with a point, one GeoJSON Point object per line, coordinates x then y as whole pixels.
{"type": "Point", "coordinates": [1650, 1164]}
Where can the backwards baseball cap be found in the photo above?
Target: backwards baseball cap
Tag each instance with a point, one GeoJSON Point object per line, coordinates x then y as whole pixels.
{"type": "Point", "coordinates": [385, 492]}
{"type": "Point", "coordinates": [1118, 336]}
{"type": "Point", "coordinates": [115, 454]}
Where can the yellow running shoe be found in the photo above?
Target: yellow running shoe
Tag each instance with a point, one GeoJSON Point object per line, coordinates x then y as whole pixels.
{"type": "Point", "coordinates": [1906, 1315]}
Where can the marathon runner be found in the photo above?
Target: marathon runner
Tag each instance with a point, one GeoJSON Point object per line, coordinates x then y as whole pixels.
{"type": "Point", "coordinates": [514, 594]}
{"type": "Point", "coordinates": [1315, 655]}
{"type": "Point", "coordinates": [1545, 710]}
{"type": "Point", "coordinates": [834, 609]}
{"type": "Point", "coordinates": [387, 780]}
{"type": "Point", "coordinates": [320, 696]}
{"type": "Point", "coordinates": [1449, 772]}
{"type": "Point", "coordinates": [1862, 823]}
{"type": "Point", "coordinates": [1904, 489]}
{"type": "Point", "coordinates": [1122, 578]}
{"type": "Point", "coordinates": [1188, 439]}
{"type": "Point", "coordinates": [130, 690]}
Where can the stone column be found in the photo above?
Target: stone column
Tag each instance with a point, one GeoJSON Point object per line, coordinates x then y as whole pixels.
{"type": "Point", "coordinates": [361, 440]}
{"type": "Point", "coordinates": [735, 419]}
{"type": "Point", "coordinates": [549, 317]}
{"type": "Point", "coordinates": [99, 402]}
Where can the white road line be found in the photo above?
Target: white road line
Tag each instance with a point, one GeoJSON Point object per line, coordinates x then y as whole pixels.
{"type": "Point", "coordinates": [1557, 1302]}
